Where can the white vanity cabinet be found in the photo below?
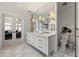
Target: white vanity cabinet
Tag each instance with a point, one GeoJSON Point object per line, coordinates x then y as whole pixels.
{"type": "Point", "coordinates": [43, 42]}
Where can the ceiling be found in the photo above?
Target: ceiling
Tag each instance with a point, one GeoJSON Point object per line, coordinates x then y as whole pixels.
{"type": "Point", "coordinates": [21, 7]}
{"type": "Point", "coordinates": [31, 6]}
{"type": "Point", "coordinates": [46, 9]}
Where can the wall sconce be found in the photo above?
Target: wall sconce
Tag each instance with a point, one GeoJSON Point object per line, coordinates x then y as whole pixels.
{"type": "Point", "coordinates": [40, 18]}
{"type": "Point", "coordinates": [33, 20]}
{"type": "Point", "coordinates": [52, 14]}
{"type": "Point", "coordinates": [16, 19]}
{"type": "Point", "coordinates": [43, 18]}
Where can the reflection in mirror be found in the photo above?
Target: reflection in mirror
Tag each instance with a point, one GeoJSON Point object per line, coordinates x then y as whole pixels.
{"type": "Point", "coordinates": [45, 23]}
{"type": "Point", "coordinates": [18, 28]}
{"type": "Point", "coordinates": [52, 21]}
{"type": "Point", "coordinates": [8, 28]}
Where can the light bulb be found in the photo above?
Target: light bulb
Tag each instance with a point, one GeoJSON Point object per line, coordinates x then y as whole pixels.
{"type": "Point", "coordinates": [40, 17]}
{"type": "Point", "coordinates": [52, 14]}
{"type": "Point", "coordinates": [16, 19]}
{"type": "Point", "coordinates": [33, 20]}
{"type": "Point", "coordinates": [43, 18]}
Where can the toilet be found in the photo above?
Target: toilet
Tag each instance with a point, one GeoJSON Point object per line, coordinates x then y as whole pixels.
{"type": "Point", "coordinates": [64, 41]}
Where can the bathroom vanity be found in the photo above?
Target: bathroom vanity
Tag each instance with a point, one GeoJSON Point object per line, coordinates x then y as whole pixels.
{"type": "Point", "coordinates": [44, 42]}
{"type": "Point", "coordinates": [43, 33]}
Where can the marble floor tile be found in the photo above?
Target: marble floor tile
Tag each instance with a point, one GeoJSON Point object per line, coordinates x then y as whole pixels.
{"type": "Point", "coordinates": [24, 50]}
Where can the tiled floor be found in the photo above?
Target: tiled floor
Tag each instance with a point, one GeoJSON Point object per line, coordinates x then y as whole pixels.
{"type": "Point", "coordinates": [68, 51]}
{"type": "Point", "coordinates": [24, 50]}
{"type": "Point", "coordinates": [19, 50]}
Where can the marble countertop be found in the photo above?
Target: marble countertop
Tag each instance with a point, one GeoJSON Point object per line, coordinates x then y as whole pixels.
{"type": "Point", "coordinates": [47, 34]}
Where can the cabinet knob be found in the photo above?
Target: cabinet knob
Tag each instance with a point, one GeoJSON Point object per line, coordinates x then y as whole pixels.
{"type": "Point", "coordinates": [40, 40]}
{"type": "Point", "coordinates": [40, 46]}
{"type": "Point", "coordinates": [33, 43]}
{"type": "Point", "coordinates": [28, 40]}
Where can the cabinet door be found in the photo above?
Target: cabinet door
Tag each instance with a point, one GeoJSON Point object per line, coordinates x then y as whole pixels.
{"type": "Point", "coordinates": [32, 39]}
{"type": "Point", "coordinates": [43, 44]}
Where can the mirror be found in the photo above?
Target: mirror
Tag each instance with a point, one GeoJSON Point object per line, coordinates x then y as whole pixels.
{"type": "Point", "coordinates": [45, 23]}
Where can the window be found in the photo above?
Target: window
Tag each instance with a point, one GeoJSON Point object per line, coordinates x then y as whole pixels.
{"type": "Point", "coordinates": [8, 28]}
{"type": "Point", "coordinates": [8, 23]}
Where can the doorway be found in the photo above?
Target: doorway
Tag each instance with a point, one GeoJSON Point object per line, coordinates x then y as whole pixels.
{"type": "Point", "coordinates": [12, 29]}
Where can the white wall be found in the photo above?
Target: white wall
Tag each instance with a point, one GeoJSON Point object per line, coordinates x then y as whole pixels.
{"type": "Point", "coordinates": [77, 29]}
{"type": "Point", "coordinates": [27, 25]}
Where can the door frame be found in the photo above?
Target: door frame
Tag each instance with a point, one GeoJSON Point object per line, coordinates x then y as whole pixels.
{"type": "Point", "coordinates": [13, 41]}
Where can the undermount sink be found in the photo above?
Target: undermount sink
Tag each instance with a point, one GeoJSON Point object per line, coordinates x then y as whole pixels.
{"type": "Point", "coordinates": [43, 32]}
{"type": "Point", "coordinates": [46, 32]}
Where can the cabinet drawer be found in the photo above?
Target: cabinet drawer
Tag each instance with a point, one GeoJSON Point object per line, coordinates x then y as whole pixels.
{"type": "Point", "coordinates": [42, 42]}
{"type": "Point", "coordinates": [42, 39]}
{"type": "Point", "coordinates": [32, 43]}
{"type": "Point", "coordinates": [42, 48]}
{"type": "Point", "coordinates": [39, 42]}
